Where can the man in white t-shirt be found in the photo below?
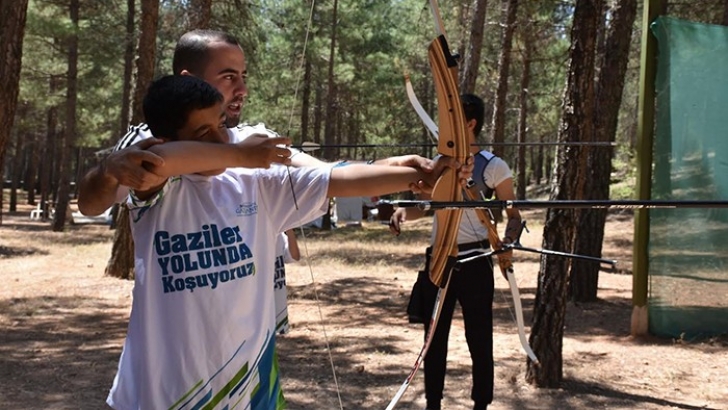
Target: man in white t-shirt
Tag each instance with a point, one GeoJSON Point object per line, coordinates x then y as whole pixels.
{"type": "Point", "coordinates": [203, 321]}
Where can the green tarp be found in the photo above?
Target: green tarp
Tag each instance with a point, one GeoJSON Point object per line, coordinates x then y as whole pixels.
{"type": "Point", "coordinates": [688, 248]}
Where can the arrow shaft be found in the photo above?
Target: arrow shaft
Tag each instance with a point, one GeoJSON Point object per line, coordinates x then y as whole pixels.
{"type": "Point", "coordinates": [560, 204]}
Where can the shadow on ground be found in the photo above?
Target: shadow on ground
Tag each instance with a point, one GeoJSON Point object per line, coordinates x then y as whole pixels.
{"type": "Point", "coordinates": [56, 352]}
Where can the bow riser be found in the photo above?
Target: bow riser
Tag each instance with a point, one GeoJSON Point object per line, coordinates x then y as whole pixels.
{"type": "Point", "coordinates": [452, 142]}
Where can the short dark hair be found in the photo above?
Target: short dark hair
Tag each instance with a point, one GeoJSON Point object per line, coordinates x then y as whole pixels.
{"type": "Point", "coordinates": [191, 51]}
{"type": "Point", "coordinates": [170, 100]}
{"type": "Point", "coordinates": [474, 108]}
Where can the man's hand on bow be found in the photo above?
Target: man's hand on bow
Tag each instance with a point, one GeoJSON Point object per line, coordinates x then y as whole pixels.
{"type": "Point", "coordinates": [260, 151]}
{"type": "Point", "coordinates": [126, 165]}
{"type": "Point", "coordinates": [504, 258]}
{"type": "Point", "coordinates": [465, 171]}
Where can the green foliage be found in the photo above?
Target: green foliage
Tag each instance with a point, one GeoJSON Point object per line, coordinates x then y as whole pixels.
{"type": "Point", "coordinates": [376, 43]}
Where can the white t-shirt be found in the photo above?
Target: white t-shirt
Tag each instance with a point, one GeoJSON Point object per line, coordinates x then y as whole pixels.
{"type": "Point", "coordinates": [471, 230]}
{"type": "Point", "coordinates": [283, 256]}
{"type": "Point", "coordinates": [202, 325]}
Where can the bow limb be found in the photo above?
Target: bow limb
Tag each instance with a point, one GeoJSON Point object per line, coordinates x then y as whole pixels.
{"type": "Point", "coordinates": [429, 123]}
{"type": "Point", "coordinates": [506, 266]}
{"type": "Point", "coordinates": [519, 315]}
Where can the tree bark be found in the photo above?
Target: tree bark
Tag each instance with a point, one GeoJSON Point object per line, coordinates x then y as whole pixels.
{"type": "Point", "coordinates": [121, 263]}
{"type": "Point", "coordinates": [16, 164]}
{"type": "Point", "coordinates": [504, 63]}
{"type": "Point", "coordinates": [129, 42]}
{"type": "Point", "coordinates": [48, 155]}
{"type": "Point", "coordinates": [306, 100]}
{"type": "Point", "coordinates": [584, 276]}
{"type": "Point", "coordinates": [523, 115]}
{"type": "Point", "coordinates": [145, 57]}
{"type": "Point", "coordinates": [31, 178]}
{"type": "Point", "coordinates": [471, 64]}
{"type": "Point", "coordinates": [69, 133]}
{"type": "Point", "coordinates": [329, 125]}
{"type": "Point", "coordinates": [200, 14]}
{"type": "Point", "coordinates": [576, 126]}
{"type": "Point", "coordinates": [13, 14]}
{"type": "Point", "coordinates": [317, 112]}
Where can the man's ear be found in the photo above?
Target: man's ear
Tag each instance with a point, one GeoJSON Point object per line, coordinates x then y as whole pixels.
{"type": "Point", "coordinates": [185, 72]}
{"type": "Point", "coordinates": [471, 124]}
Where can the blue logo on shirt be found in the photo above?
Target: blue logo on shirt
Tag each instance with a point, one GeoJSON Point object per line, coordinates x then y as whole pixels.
{"type": "Point", "coordinates": [247, 209]}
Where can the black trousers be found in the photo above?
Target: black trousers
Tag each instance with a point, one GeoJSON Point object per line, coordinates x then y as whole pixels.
{"type": "Point", "coordinates": [472, 285]}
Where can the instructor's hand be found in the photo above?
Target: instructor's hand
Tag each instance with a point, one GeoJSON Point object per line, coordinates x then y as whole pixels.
{"type": "Point", "coordinates": [465, 171]}
{"type": "Point", "coordinates": [260, 151]}
{"type": "Point", "coordinates": [127, 165]}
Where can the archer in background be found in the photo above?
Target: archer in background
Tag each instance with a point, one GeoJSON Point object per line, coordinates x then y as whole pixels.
{"type": "Point", "coordinates": [471, 282]}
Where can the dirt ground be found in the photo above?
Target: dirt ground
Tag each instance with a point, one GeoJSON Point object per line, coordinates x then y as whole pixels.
{"type": "Point", "coordinates": [63, 323]}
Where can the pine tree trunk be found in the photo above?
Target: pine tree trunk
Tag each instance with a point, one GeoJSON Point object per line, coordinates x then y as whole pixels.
{"type": "Point", "coordinates": [121, 263]}
{"type": "Point", "coordinates": [129, 42]}
{"type": "Point", "coordinates": [523, 115]}
{"type": "Point", "coordinates": [305, 100]}
{"type": "Point", "coordinates": [329, 125]}
{"type": "Point", "coordinates": [69, 134]}
{"type": "Point", "coordinates": [31, 179]}
{"type": "Point", "coordinates": [584, 276]}
{"type": "Point", "coordinates": [200, 14]}
{"type": "Point", "coordinates": [13, 15]}
{"type": "Point", "coordinates": [48, 155]}
{"type": "Point", "coordinates": [145, 57]}
{"type": "Point", "coordinates": [471, 64]}
{"type": "Point", "coordinates": [317, 114]}
{"type": "Point", "coordinates": [504, 63]}
{"type": "Point", "coordinates": [16, 170]}
{"type": "Point", "coordinates": [558, 234]}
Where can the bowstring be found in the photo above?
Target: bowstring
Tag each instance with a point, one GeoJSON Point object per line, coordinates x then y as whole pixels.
{"type": "Point", "coordinates": [314, 284]}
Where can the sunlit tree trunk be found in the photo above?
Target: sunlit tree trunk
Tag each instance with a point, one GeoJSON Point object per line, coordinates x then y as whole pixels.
{"type": "Point", "coordinates": [504, 63]}
{"type": "Point", "coordinates": [12, 14]}
{"type": "Point", "coordinates": [69, 134]}
{"type": "Point", "coordinates": [584, 276]}
{"type": "Point", "coordinates": [558, 234]}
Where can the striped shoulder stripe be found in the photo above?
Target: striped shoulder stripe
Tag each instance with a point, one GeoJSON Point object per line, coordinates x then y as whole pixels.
{"type": "Point", "coordinates": [135, 134]}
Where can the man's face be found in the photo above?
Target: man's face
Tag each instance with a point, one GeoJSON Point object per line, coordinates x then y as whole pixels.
{"type": "Point", "coordinates": [207, 125]}
{"type": "Point", "coordinates": [226, 71]}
